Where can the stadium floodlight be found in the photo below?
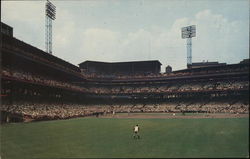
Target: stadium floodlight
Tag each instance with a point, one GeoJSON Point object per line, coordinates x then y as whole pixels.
{"type": "Point", "coordinates": [50, 10]}
{"type": "Point", "coordinates": [50, 14]}
{"type": "Point", "coordinates": [187, 33]}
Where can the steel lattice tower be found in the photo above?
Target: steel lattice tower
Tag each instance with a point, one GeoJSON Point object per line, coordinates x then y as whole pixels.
{"type": "Point", "coordinates": [188, 33]}
{"type": "Point", "coordinates": [189, 51]}
{"type": "Point", "coordinates": [50, 12]}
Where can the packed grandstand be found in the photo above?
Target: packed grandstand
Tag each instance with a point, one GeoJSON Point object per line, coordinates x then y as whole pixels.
{"type": "Point", "coordinates": [36, 85]}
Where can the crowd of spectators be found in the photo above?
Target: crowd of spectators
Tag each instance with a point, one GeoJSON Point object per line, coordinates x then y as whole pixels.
{"type": "Point", "coordinates": [160, 88]}
{"type": "Point", "coordinates": [38, 79]}
{"type": "Point", "coordinates": [64, 111]}
{"type": "Point", "coordinates": [92, 75]}
{"type": "Point", "coordinates": [172, 87]}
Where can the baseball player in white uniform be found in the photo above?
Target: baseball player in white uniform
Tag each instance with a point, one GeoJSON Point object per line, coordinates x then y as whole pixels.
{"type": "Point", "coordinates": [136, 132]}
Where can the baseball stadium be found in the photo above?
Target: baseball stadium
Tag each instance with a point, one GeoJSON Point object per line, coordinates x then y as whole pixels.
{"type": "Point", "coordinates": [53, 108]}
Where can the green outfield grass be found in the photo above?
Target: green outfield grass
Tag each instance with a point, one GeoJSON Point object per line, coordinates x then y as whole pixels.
{"type": "Point", "coordinates": [107, 137]}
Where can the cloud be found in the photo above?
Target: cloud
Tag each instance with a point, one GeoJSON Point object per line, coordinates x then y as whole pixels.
{"type": "Point", "coordinates": [220, 39]}
{"type": "Point", "coordinates": [100, 44]}
{"type": "Point", "coordinates": [28, 15]}
{"type": "Point", "coordinates": [28, 10]}
{"type": "Point", "coordinates": [217, 40]}
{"type": "Point", "coordinates": [77, 38]}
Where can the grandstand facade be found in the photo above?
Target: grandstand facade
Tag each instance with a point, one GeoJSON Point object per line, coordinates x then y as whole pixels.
{"type": "Point", "coordinates": [205, 64]}
{"type": "Point", "coordinates": [121, 68]}
{"type": "Point", "coordinates": [36, 85]}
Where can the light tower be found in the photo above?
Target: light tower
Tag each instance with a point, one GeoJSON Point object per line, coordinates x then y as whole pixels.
{"type": "Point", "coordinates": [50, 14]}
{"type": "Point", "coordinates": [187, 33]}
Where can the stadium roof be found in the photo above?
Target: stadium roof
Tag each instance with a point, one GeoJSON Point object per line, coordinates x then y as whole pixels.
{"type": "Point", "coordinates": [38, 52]}
{"type": "Point", "coordinates": [127, 62]}
{"type": "Point", "coordinates": [215, 67]}
{"type": "Point", "coordinates": [207, 64]}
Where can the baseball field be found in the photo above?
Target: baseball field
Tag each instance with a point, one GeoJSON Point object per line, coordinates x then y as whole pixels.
{"type": "Point", "coordinates": [112, 137]}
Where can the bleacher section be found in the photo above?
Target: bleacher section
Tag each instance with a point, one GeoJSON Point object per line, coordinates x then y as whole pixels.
{"type": "Point", "coordinates": [36, 85]}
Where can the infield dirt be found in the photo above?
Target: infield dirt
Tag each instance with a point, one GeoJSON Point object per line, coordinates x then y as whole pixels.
{"type": "Point", "coordinates": [172, 116]}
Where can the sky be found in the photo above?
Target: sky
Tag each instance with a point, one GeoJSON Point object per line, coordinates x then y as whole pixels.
{"type": "Point", "coordinates": [135, 30]}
